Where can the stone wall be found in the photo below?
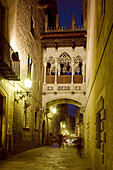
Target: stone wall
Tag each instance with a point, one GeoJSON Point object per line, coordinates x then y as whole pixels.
{"type": "Point", "coordinates": [29, 45]}
{"type": "Point", "coordinates": [17, 30]}
{"type": "Point", "coordinates": [98, 116]}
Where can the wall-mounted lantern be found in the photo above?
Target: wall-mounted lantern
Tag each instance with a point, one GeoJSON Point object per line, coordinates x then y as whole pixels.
{"type": "Point", "coordinates": [21, 94]}
{"type": "Point", "coordinates": [54, 110]}
{"type": "Point", "coordinates": [28, 83]}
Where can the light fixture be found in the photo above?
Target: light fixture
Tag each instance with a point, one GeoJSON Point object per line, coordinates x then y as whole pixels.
{"type": "Point", "coordinates": [64, 126]}
{"type": "Point", "coordinates": [28, 83]}
{"type": "Point", "coordinates": [54, 110]}
{"type": "Point", "coordinates": [20, 94]}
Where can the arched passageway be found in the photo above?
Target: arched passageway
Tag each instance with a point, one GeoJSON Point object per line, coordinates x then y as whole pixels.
{"type": "Point", "coordinates": [63, 117]}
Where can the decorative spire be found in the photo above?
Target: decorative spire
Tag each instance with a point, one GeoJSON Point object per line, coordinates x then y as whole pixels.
{"type": "Point", "coordinates": [73, 20]}
{"type": "Point", "coordinates": [46, 22]}
{"type": "Point", "coordinates": [57, 21]}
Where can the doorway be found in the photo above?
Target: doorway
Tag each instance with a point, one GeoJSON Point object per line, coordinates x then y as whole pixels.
{"type": "Point", "coordinates": [43, 132]}
{"type": "Point", "coordinates": [1, 117]}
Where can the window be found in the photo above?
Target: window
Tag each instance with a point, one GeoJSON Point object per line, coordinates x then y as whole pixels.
{"type": "Point", "coordinates": [26, 114]}
{"type": "Point", "coordinates": [35, 120]}
{"type": "Point", "coordinates": [32, 26]}
{"type": "Point", "coordinates": [29, 67]}
{"type": "Point", "coordinates": [98, 130]}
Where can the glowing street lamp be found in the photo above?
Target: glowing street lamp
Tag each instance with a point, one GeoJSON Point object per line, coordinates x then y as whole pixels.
{"type": "Point", "coordinates": [64, 126]}
{"type": "Point", "coordinates": [54, 110]}
{"type": "Point", "coordinates": [28, 83]}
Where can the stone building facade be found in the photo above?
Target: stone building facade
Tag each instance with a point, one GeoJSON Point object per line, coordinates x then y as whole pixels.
{"type": "Point", "coordinates": [99, 95]}
{"type": "Point", "coordinates": [21, 23]}
{"type": "Point", "coordinates": [64, 59]}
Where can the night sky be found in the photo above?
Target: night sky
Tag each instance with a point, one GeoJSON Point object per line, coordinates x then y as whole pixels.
{"type": "Point", "coordinates": [71, 109]}
{"type": "Point", "coordinates": [66, 9]}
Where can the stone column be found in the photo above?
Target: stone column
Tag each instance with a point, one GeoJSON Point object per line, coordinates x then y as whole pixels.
{"type": "Point", "coordinates": [44, 73]}
{"type": "Point", "coordinates": [83, 70]}
{"type": "Point", "coordinates": [55, 72]}
{"type": "Point", "coordinates": [59, 69]}
{"type": "Point", "coordinates": [72, 71]}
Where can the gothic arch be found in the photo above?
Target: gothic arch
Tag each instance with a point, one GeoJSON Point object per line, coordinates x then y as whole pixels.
{"type": "Point", "coordinates": [78, 62]}
{"type": "Point", "coordinates": [50, 67]}
{"type": "Point", "coordinates": [64, 58]}
{"type": "Point", "coordinates": [78, 59]}
{"type": "Point", "coordinates": [53, 102]}
{"type": "Point", "coordinates": [50, 60]}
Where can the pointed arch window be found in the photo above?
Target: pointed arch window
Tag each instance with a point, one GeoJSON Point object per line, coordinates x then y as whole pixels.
{"type": "Point", "coordinates": [78, 62]}
{"type": "Point", "coordinates": [64, 62]}
{"type": "Point", "coordinates": [50, 70]}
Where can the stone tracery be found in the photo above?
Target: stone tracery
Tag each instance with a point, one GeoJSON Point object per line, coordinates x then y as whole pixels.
{"type": "Point", "coordinates": [64, 65]}
{"type": "Point", "coordinates": [64, 62]}
{"type": "Point", "coordinates": [78, 62]}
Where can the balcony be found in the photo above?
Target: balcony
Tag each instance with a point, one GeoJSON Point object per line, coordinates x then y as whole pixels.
{"type": "Point", "coordinates": [63, 79]}
{"type": "Point", "coordinates": [50, 79]}
{"type": "Point", "coordinates": [9, 61]}
{"type": "Point", "coordinates": [78, 78]}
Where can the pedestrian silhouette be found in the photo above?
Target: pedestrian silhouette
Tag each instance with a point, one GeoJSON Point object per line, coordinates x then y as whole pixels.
{"type": "Point", "coordinates": [79, 145]}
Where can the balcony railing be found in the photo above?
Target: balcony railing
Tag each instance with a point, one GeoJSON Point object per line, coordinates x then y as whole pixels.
{"type": "Point", "coordinates": [61, 79]}
{"type": "Point", "coordinates": [9, 61]}
{"type": "Point", "coordinates": [64, 79]}
{"type": "Point", "coordinates": [65, 28]}
{"type": "Point", "coordinates": [50, 79]}
{"type": "Point", "coordinates": [78, 78]}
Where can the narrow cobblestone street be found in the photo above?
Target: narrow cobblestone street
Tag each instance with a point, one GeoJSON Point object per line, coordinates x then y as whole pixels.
{"type": "Point", "coordinates": [48, 158]}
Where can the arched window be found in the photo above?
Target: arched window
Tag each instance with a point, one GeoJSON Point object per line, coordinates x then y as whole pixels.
{"type": "Point", "coordinates": [78, 62]}
{"type": "Point", "coordinates": [50, 66]}
{"type": "Point", "coordinates": [64, 62]}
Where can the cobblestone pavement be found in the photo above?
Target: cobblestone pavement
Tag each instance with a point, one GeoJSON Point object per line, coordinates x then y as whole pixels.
{"type": "Point", "coordinates": [48, 158]}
